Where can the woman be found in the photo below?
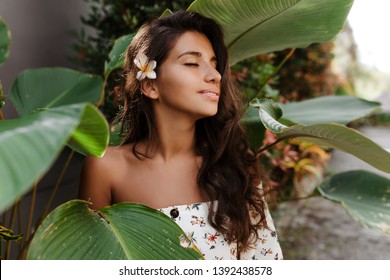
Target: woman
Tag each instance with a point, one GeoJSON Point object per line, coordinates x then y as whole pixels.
{"type": "Point", "coordinates": [184, 149]}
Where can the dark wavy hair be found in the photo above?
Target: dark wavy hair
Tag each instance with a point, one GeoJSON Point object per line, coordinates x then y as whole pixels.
{"type": "Point", "coordinates": [230, 173]}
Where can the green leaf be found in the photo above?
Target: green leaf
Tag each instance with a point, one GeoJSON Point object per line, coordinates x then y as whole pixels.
{"type": "Point", "coordinates": [115, 135]}
{"type": "Point", "coordinates": [121, 231]}
{"type": "Point", "coordinates": [116, 55]}
{"type": "Point", "coordinates": [365, 195]}
{"type": "Point", "coordinates": [91, 137]}
{"type": "Point", "coordinates": [260, 26]}
{"type": "Point", "coordinates": [254, 127]}
{"type": "Point", "coordinates": [29, 145]}
{"type": "Point", "coordinates": [5, 41]}
{"type": "Point", "coordinates": [53, 87]}
{"type": "Point", "coordinates": [328, 109]}
{"type": "Point", "coordinates": [269, 113]}
{"type": "Point", "coordinates": [326, 134]}
{"type": "Point", "coordinates": [342, 138]}
{"type": "Point", "coordinates": [166, 13]}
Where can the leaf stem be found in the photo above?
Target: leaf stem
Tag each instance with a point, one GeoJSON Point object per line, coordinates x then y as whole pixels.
{"type": "Point", "coordinates": [276, 70]}
{"type": "Point", "coordinates": [27, 239]}
{"type": "Point", "coordinates": [48, 204]}
{"type": "Point", "coordinates": [31, 214]}
{"type": "Point", "coordinates": [55, 189]}
{"type": "Point", "coordinates": [12, 223]}
{"type": "Point", "coordinates": [20, 224]}
{"type": "Point", "coordinates": [3, 222]}
{"type": "Point", "coordinates": [263, 148]}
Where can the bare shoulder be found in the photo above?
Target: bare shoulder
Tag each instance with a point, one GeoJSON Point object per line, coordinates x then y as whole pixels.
{"type": "Point", "coordinates": [98, 175]}
{"type": "Point", "coordinates": [100, 166]}
{"type": "Point", "coordinates": [112, 155]}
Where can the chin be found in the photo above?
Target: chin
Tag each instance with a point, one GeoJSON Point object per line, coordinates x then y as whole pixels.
{"type": "Point", "coordinates": [205, 111]}
{"type": "Point", "coordinates": [210, 113]}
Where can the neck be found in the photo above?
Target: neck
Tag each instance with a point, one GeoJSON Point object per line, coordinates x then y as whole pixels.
{"type": "Point", "coordinates": [176, 136]}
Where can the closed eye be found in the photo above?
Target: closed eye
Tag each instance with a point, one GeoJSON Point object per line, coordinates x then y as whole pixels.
{"type": "Point", "coordinates": [191, 64]}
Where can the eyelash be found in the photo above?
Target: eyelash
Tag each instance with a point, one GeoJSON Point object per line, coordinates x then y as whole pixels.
{"type": "Point", "coordinates": [191, 64]}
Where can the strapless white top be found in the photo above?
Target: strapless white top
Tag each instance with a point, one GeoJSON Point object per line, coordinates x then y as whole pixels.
{"type": "Point", "coordinates": [193, 220]}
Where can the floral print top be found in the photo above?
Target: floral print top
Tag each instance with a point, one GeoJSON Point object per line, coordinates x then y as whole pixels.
{"type": "Point", "coordinates": [193, 221]}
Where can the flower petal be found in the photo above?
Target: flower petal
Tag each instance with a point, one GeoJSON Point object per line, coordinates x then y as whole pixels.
{"type": "Point", "coordinates": [137, 63]}
{"type": "Point", "coordinates": [151, 75]}
{"type": "Point", "coordinates": [139, 76]}
{"type": "Point", "coordinates": [146, 67]}
{"type": "Point", "coordinates": [143, 59]}
{"type": "Point", "coordinates": [152, 64]}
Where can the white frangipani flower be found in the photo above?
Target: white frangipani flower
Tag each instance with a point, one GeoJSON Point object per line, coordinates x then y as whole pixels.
{"type": "Point", "coordinates": [146, 67]}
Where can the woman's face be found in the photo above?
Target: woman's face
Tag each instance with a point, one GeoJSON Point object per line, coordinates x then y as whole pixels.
{"type": "Point", "coordinates": [187, 81]}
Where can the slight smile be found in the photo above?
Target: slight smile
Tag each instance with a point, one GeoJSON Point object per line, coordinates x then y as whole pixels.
{"type": "Point", "coordinates": [210, 93]}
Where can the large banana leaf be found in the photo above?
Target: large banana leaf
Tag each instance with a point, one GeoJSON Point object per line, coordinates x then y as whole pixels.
{"type": "Point", "coordinates": [52, 87]}
{"type": "Point", "coordinates": [255, 27]}
{"type": "Point", "coordinates": [122, 231]}
{"type": "Point", "coordinates": [328, 109]}
{"type": "Point", "coordinates": [5, 40]}
{"type": "Point", "coordinates": [365, 195]}
{"type": "Point", "coordinates": [259, 26]}
{"type": "Point", "coordinates": [342, 138]}
{"type": "Point", "coordinates": [44, 88]}
{"type": "Point", "coordinates": [328, 134]}
{"type": "Point", "coordinates": [29, 145]}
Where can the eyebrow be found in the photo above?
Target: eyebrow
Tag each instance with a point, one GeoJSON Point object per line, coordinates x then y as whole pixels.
{"type": "Point", "coordinates": [194, 53]}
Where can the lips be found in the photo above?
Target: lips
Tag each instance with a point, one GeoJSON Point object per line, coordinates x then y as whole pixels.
{"type": "Point", "coordinates": [211, 93]}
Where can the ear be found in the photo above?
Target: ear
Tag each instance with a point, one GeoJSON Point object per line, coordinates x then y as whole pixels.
{"type": "Point", "coordinates": [149, 89]}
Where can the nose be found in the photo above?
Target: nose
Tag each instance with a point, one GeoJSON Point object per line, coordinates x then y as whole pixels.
{"type": "Point", "coordinates": [212, 75]}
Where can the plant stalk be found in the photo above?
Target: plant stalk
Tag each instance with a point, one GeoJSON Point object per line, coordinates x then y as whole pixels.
{"type": "Point", "coordinates": [59, 180]}
{"type": "Point", "coordinates": [22, 251]}
{"type": "Point", "coordinates": [12, 223]}
{"type": "Point", "coordinates": [31, 213]}
{"type": "Point", "coordinates": [3, 222]}
{"type": "Point", "coordinates": [262, 149]}
{"type": "Point", "coordinates": [48, 204]}
{"type": "Point", "coordinates": [20, 224]}
{"type": "Point", "coordinates": [276, 70]}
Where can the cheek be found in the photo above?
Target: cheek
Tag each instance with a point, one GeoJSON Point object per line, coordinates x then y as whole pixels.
{"type": "Point", "coordinates": [177, 82]}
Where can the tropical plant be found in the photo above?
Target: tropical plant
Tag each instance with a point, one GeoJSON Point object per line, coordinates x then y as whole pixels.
{"type": "Point", "coordinates": [121, 231]}
{"type": "Point", "coordinates": [5, 40]}
{"type": "Point", "coordinates": [285, 24]}
{"type": "Point", "coordinates": [295, 167]}
{"type": "Point", "coordinates": [308, 73]}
